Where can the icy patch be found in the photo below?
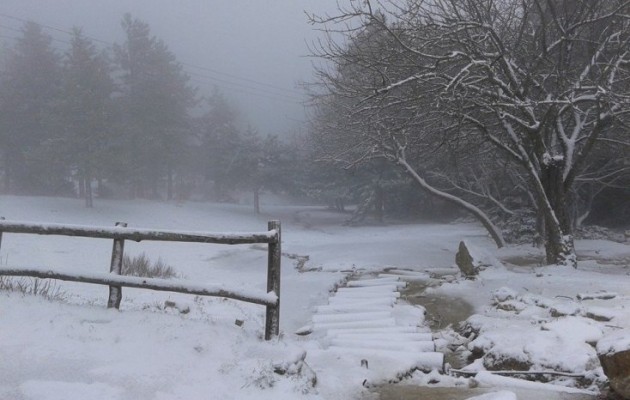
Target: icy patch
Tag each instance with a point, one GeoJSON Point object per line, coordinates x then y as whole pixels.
{"type": "Point", "coordinates": [490, 380]}
{"type": "Point", "coordinates": [56, 390]}
{"type": "Point", "coordinates": [501, 395]}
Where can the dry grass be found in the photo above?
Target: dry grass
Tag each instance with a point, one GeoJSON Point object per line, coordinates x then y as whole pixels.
{"type": "Point", "coordinates": [32, 286]}
{"type": "Point", "coordinates": [142, 266]}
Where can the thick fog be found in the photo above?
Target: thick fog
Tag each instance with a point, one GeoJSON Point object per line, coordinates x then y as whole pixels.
{"type": "Point", "coordinates": [254, 51]}
{"type": "Point", "coordinates": [382, 120]}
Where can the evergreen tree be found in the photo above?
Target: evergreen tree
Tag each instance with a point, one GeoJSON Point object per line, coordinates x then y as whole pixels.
{"type": "Point", "coordinates": [85, 112]}
{"type": "Point", "coordinates": [265, 164]}
{"type": "Point", "coordinates": [29, 86]}
{"type": "Point", "coordinates": [155, 103]}
{"type": "Point", "coordinates": [220, 150]}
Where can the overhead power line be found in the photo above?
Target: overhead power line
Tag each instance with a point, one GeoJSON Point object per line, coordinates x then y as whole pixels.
{"type": "Point", "coordinates": [270, 96]}
{"type": "Point", "coordinates": [290, 91]}
{"type": "Point", "coordinates": [261, 89]}
{"type": "Point", "coordinates": [236, 85]}
{"type": "Point", "coordinates": [53, 28]}
{"type": "Point", "coordinates": [20, 31]}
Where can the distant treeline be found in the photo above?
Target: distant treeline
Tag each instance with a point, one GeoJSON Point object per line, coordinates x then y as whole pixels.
{"type": "Point", "coordinates": [123, 115]}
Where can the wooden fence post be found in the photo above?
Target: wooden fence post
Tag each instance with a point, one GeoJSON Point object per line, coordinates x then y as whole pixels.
{"type": "Point", "coordinates": [1, 219]}
{"type": "Point", "coordinates": [272, 317]}
{"type": "Point", "coordinates": [115, 292]}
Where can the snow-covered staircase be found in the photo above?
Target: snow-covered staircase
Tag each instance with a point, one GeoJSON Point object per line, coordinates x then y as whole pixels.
{"type": "Point", "coordinates": [364, 325]}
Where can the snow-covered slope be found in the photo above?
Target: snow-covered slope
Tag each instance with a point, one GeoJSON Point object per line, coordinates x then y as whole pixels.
{"type": "Point", "coordinates": [191, 347]}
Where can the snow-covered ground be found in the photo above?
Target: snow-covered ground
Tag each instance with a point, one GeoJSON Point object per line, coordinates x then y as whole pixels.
{"type": "Point", "coordinates": [77, 349]}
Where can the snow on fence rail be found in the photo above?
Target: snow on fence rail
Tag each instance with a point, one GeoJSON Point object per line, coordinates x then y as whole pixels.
{"type": "Point", "coordinates": [120, 233]}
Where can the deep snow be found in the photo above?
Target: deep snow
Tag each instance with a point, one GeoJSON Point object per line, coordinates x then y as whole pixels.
{"type": "Point", "coordinates": [77, 349]}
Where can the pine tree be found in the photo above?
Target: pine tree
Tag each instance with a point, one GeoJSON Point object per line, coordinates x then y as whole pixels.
{"type": "Point", "coordinates": [155, 103]}
{"type": "Point", "coordinates": [85, 112]}
{"type": "Point", "coordinates": [221, 146]}
{"type": "Point", "coordinates": [28, 88]}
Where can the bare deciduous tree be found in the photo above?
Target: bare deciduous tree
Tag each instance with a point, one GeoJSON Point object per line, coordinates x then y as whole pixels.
{"type": "Point", "coordinates": [543, 81]}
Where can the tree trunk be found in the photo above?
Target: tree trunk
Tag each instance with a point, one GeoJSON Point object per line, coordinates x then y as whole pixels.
{"type": "Point", "coordinates": [81, 186]}
{"type": "Point", "coordinates": [89, 198]}
{"type": "Point", "coordinates": [379, 203]}
{"type": "Point", "coordinates": [155, 191]}
{"type": "Point", "coordinates": [257, 199]}
{"type": "Point", "coordinates": [539, 238]}
{"type": "Point", "coordinates": [559, 246]}
{"type": "Point", "coordinates": [169, 184]}
{"type": "Point", "coordinates": [8, 172]}
{"type": "Point", "coordinates": [494, 232]}
{"type": "Point", "coordinates": [581, 213]}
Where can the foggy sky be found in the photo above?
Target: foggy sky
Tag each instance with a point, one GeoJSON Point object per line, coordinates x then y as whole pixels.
{"type": "Point", "coordinates": [253, 50]}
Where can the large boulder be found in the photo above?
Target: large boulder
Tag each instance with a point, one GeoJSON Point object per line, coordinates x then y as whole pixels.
{"type": "Point", "coordinates": [470, 259]}
{"type": "Point", "coordinates": [465, 261]}
{"type": "Point", "coordinates": [614, 355]}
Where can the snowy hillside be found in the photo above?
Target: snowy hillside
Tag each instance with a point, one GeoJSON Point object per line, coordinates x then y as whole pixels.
{"type": "Point", "coordinates": [170, 346]}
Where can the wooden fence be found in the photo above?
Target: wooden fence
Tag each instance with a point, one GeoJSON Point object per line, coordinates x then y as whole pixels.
{"type": "Point", "coordinates": [115, 281]}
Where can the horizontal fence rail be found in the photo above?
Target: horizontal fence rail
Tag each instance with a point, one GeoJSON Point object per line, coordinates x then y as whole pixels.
{"type": "Point", "coordinates": [170, 285]}
{"type": "Point", "coordinates": [138, 235]}
{"type": "Point", "coordinates": [115, 281]}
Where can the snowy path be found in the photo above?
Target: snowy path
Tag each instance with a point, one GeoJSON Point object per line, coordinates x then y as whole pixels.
{"type": "Point", "coordinates": [365, 329]}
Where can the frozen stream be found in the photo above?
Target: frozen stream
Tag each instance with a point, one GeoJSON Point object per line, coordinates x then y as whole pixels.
{"type": "Point", "coordinates": [407, 392]}
{"type": "Point", "coordinates": [443, 311]}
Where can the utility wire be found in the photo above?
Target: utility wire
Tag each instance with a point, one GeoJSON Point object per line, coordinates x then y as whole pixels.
{"type": "Point", "coordinates": [268, 96]}
{"type": "Point", "coordinates": [205, 80]}
{"type": "Point", "coordinates": [291, 91]}
{"type": "Point", "coordinates": [238, 85]}
{"type": "Point", "coordinates": [266, 92]}
{"type": "Point", "coordinates": [20, 31]}
{"type": "Point", "coordinates": [67, 32]}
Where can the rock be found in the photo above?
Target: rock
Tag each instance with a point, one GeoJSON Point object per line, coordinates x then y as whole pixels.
{"type": "Point", "coordinates": [465, 261]}
{"type": "Point", "coordinates": [297, 366]}
{"type": "Point", "coordinates": [495, 361]}
{"type": "Point", "coordinates": [170, 304]}
{"type": "Point", "coordinates": [596, 296]}
{"type": "Point", "coordinates": [617, 368]}
{"type": "Point", "coordinates": [305, 330]}
{"type": "Point", "coordinates": [600, 314]}
{"type": "Point", "coordinates": [183, 309]}
{"type": "Point", "coordinates": [614, 355]}
{"type": "Point", "coordinates": [504, 294]}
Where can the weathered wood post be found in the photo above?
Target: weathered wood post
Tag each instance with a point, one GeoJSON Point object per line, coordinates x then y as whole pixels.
{"type": "Point", "coordinates": [272, 317]}
{"type": "Point", "coordinates": [115, 292]}
{"type": "Point", "coordinates": [1, 219]}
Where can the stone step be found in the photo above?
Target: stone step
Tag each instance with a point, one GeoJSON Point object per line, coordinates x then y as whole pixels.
{"type": "Point", "coordinates": [411, 346]}
{"type": "Point", "coordinates": [350, 317]}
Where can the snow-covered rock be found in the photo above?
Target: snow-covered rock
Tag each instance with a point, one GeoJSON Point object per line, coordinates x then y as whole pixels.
{"type": "Point", "coordinates": [503, 294]}
{"type": "Point", "coordinates": [471, 259]}
{"type": "Point", "coordinates": [528, 343]}
{"type": "Point", "coordinates": [614, 355]}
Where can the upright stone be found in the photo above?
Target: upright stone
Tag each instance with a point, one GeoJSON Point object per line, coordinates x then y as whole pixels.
{"type": "Point", "coordinates": [614, 355]}
{"type": "Point", "coordinates": [465, 261]}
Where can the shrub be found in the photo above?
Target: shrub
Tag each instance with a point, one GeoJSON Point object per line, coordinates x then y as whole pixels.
{"type": "Point", "coordinates": [142, 266]}
{"type": "Point", "coordinates": [32, 286]}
